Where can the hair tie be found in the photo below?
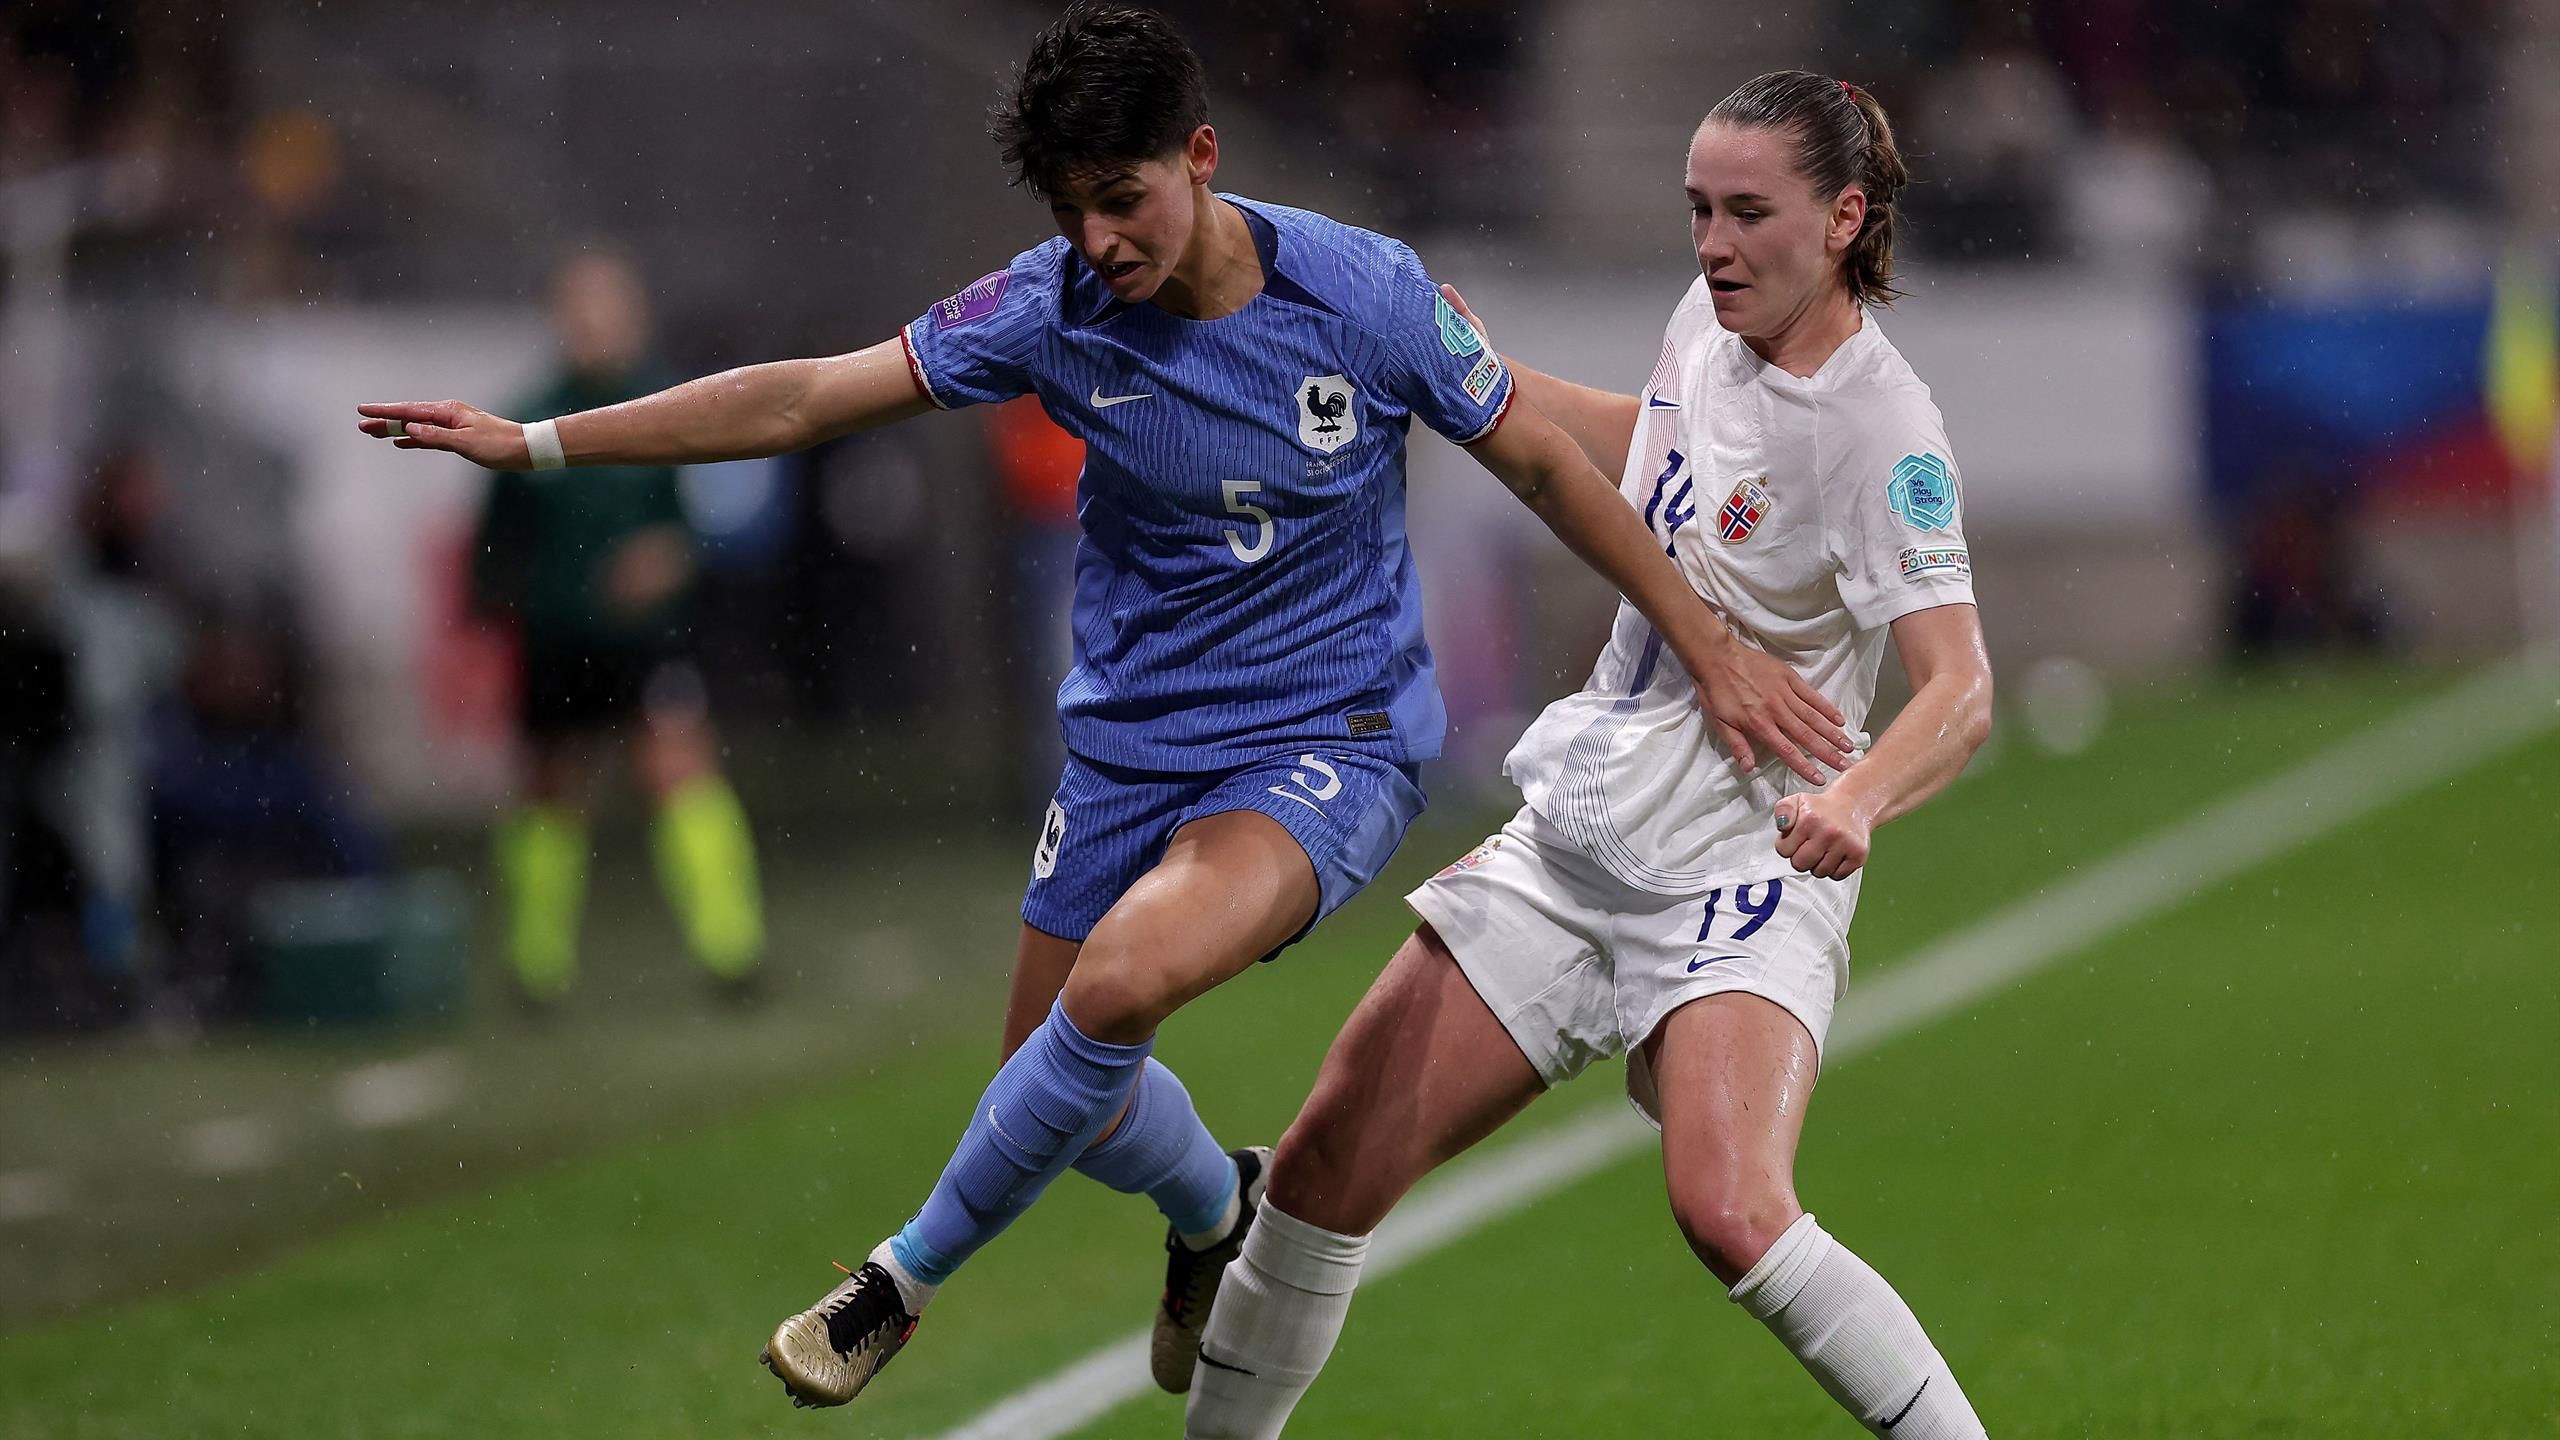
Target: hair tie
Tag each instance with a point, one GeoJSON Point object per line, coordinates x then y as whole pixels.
{"type": "Point", "coordinates": [1848, 89]}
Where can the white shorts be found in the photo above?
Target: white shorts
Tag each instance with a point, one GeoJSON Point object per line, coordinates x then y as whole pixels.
{"type": "Point", "coordinates": [1580, 966]}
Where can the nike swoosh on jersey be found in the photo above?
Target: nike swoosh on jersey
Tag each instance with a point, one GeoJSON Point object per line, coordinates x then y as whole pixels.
{"type": "Point", "coordinates": [1697, 965]}
{"type": "Point", "coordinates": [1101, 401]}
{"type": "Point", "coordinates": [1653, 401]}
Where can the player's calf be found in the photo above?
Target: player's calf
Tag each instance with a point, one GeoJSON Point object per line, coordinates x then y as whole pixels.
{"type": "Point", "coordinates": [1315, 1175]}
{"type": "Point", "coordinates": [1421, 1071]}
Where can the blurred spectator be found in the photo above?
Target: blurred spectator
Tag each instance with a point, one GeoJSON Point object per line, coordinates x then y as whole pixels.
{"type": "Point", "coordinates": [68, 66]}
{"type": "Point", "coordinates": [2135, 199]}
{"type": "Point", "coordinates": [243, 798]}
{"type": "Point", "coordinates": [2107, 48]}
{"type": "Point", "coordinates": [2144, 129]}
{"type": "Point", "coordinates": [1998, 127]}
{"type": "Point", "coordinates": [1410, 102]}
{"type": "Point", "coordinates": [2302, 588]}
{"type": "Point", "coordinates": [44, 970]}
{"type": "Point", "coordinates": [289, 234]}
{"type": "Point", "coordinates": [93, 648]}
{"type": "Point", "coordinates": [124, 638]}
{"type": "Point", "coordinates": [594, 566]}
{"type": "Point", "coordinates": [111, 141]}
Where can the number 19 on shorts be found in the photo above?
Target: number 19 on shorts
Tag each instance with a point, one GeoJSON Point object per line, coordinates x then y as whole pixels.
{"type": "Point", "coordinates": [1758, 908]}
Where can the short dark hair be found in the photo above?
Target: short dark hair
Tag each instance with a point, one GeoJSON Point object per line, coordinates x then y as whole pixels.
{"type": "Point", "coordinates": [1842, 139]}
{"type": "Point", "coordinates": [1106, 87]}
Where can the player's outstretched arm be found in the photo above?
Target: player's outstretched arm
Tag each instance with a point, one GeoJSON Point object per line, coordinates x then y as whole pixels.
{"type": "Point", "coordinates": [1602, 422]}
{"type": "Point", "coordinates": [1924, 748]}
{"type": "Point", "coordinates": [741, 414]}
{"type": "Point", "coordinates": [1754, 698]}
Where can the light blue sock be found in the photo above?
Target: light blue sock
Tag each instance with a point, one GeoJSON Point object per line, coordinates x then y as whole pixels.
{"type": "Point", "coordinates": [1163, 1152]}
{"type": "Point", "coordinates": [1040, 1112]}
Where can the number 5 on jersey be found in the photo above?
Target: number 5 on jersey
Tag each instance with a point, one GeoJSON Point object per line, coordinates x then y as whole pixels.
{"type": "Point", "coordinates": [1260, 545]}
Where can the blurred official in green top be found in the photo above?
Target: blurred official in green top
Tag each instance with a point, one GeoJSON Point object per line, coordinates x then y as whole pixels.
{"type": "Point", "coordinates": [595, 566]}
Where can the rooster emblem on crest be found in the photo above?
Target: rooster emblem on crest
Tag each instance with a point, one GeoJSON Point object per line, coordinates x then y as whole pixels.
{"type": "Point", "coordinates": [1328, 412]}
{"type": "Point", "coordinates": [1327, 409]}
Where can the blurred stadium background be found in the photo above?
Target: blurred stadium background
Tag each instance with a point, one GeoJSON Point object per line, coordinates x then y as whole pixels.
{"type": "Point", "coordinates": [2242, 320]}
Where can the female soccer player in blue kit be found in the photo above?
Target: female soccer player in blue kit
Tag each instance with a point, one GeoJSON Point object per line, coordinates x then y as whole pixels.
{"type": "Point", "coordinates": [1251, 691]}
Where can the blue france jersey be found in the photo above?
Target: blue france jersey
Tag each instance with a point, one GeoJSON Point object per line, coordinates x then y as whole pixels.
{"type": "Point", "coordinates": [1243, 585]}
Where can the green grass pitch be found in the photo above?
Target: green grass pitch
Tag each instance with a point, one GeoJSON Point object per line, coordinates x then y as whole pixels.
{"type": "Point", "coordinates": [2284, 1160]}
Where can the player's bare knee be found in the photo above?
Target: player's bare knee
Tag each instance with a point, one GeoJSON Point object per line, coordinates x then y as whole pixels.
{"type": "Point", "coordinates": [1120, 998]}
{"type": "Point", "coordinates": [1730, 1228]}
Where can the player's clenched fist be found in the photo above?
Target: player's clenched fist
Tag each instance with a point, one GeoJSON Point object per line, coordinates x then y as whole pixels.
{"type": "Point", "coordinates": [1825, 834]}
{"type": "Point", "coordinates": [465, 430]}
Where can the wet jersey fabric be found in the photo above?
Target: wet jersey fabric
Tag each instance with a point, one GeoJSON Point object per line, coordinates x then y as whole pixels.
{"type": "Point", "coordinates": [1812, 512]}
{"type": "Point", "coordinates": [1243, 586]}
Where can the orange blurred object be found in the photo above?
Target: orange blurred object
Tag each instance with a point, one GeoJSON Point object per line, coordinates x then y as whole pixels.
{"type": "Point", "coordinates": [1038, 461]}
{"type": "Point", "coordinates": [293, 159]}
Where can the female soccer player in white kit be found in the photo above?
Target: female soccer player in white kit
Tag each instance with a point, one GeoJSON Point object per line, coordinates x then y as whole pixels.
{"type": "Point", "coordinates": [1651, 895]}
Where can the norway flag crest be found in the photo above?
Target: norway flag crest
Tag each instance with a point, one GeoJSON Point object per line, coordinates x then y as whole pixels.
{"type": "Point", "coordinates": [1742, 512]}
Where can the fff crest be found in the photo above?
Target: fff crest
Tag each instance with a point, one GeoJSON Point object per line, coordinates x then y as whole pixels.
{"type": "Point", "coordinates": [1327, 417]}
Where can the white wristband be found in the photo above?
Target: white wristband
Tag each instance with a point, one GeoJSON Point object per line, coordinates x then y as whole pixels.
{"type": "Point", "coordinates": [542, 442]}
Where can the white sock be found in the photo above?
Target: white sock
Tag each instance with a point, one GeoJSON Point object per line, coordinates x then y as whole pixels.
{"type": "Point", "coordinates": [1279, 1310]}
{"type": "Point", "coordinates": [1857, 1337]}
{"type": "Point", "coordinates": [912, 1292]}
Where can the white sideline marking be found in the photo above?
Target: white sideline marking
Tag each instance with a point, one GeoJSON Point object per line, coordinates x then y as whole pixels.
{"type": "Point", "coordinates": [32, 1195]}
{"type": "Point", "coordinates": [2434, 741]}
{"type": "Point", "coordinates": [393, 1093]}
{"type": "Point", "coordinates": [230, 1145]}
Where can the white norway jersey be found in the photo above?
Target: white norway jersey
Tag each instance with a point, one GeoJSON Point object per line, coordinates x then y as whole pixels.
{"type": "Point", "coordinates": [1811, 513]}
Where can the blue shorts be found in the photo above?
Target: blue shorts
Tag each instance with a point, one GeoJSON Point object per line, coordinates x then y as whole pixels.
{"type": "Point", "coordinates": [1109, 825]}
